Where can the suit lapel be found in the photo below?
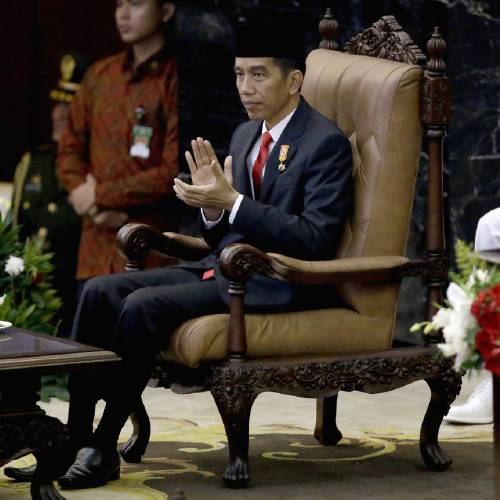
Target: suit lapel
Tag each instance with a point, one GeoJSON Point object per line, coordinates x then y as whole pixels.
{"type": "Point", "coordinates": [293, 130]}
{"type": "Point", "coordinates": [240, 170]}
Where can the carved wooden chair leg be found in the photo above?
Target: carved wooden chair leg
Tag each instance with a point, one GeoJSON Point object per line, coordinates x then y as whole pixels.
{"type": "Point", "coordinates": [48, 438]}
{"type": "Point", "coordinates": [133, 450]}
{"type": "Point", "coordinates": [42, 487]}
{"type": "Point", "coordinates": [234, 407]}
{"type": "Point", "coordinates": [443, 392]}
{"type": "Point", "coordinates": [326, 430]}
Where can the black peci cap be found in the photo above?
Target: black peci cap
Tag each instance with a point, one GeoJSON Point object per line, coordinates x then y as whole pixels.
{"type": "Point", "coordinates": [278, 36]}
{"type": "Point", "coordinates": [72, 67]}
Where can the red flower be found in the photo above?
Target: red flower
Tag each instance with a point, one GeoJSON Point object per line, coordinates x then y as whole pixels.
{"type": "Point", "coordinates": [493, 362]}
{"type": "Point", "coordinates": [486, 309]}
{"type": "Point", "coordinates": [38, 278]}
{"type": "Point", "coordinates": [487, 343]}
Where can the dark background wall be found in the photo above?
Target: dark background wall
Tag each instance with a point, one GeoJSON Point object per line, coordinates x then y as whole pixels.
{"type": "Point", "coordinates": [34, 33]}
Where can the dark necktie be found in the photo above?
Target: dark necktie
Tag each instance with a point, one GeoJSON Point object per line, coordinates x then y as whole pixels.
{"type": "Point", "coordinates": [260, 162]}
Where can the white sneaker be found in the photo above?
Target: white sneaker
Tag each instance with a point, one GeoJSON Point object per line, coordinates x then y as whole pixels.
{"type": "Point", "coordinates": [479, 406]}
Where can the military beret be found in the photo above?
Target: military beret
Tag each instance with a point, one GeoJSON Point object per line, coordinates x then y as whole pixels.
{"type": "Point", "coordinates": [72, 67]}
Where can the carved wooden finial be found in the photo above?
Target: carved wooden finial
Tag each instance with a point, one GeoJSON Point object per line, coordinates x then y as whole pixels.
{"type": "Point", "coordinates": [435, 116]}
{"type": "Point", "coordinates": [436, 88]}
{"type": "Point", "coordinates": [328, 29]}
{"type": "Point", "coordinates": [436, 48]}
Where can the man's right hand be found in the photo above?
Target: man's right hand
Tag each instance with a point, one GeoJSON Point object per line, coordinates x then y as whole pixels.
{"type": "Point", "coordinates": [200, 164]}
{"type": "Point", "coordinates": [83, 197]}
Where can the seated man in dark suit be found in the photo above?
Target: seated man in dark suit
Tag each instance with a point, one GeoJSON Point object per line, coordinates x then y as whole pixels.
{"type": "Point", "coordinates": [286, 187]}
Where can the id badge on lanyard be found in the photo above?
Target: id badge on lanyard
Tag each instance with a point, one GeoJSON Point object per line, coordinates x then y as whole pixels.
{"type": "Point", "coordinates": [141, 136]}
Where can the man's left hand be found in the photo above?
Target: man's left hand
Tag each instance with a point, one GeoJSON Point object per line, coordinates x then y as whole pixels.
{"type": "Point", "coordinates": [111, 218]}
{"type": "Point", "coordinates": [220, 194]}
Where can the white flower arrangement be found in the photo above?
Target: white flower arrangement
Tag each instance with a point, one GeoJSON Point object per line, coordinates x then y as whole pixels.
{"type": "Point", "coordinates": [14, 266]}
{"type": "Point", "coordinates": [27, 297]}
{"type": "Point", "coordinates": [458, 319]}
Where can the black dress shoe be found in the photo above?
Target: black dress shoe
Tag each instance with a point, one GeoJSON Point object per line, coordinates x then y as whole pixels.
{"type": "Point", "coordinates": [21, 474]}
{"type": "Point", "coordinates": [91, 468]}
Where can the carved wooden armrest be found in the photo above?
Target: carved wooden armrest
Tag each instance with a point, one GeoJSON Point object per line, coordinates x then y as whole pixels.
{"type": "Point", "coordinates": [136, 241]}
{"type": "Point", "coordinates": [239, 262]}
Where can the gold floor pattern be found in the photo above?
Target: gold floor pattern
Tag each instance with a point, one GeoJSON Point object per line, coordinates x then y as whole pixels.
{"type": "Point", "coordinates": [190, 439]}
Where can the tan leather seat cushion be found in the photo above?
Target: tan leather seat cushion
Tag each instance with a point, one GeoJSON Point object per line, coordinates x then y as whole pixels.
{"type": "Point", "coordinates": [324, 331]}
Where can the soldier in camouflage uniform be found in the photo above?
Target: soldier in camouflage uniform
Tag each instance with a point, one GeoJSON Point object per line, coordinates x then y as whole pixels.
{"type": "Point", "coordinates": [40, 203]}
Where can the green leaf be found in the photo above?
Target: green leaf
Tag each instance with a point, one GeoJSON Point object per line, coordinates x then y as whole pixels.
{"type": "Point", "coordinates": [28, 304]}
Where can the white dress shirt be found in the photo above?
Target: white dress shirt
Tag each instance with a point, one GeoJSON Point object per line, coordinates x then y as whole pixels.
{"type": "Point", "coordinates": [275, 132]}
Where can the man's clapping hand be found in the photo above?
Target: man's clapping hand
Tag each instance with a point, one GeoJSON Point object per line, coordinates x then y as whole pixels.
{"type": "Point", "coordinates": [200, 161]}
{"type": "Point", "coordinates": [212, 187]}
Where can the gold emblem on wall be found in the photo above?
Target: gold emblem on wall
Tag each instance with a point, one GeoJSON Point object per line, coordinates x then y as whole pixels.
{"type": "Point", "coordinates": [68, 65]}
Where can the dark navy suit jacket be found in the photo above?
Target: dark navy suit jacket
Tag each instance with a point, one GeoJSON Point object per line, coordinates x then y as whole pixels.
{"type": "Point", "coordinates": [301, 211]}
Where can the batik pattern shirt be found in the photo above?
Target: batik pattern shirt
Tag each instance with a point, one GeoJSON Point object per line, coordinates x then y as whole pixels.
{"type": "Point", "coordinates": [98, 140]}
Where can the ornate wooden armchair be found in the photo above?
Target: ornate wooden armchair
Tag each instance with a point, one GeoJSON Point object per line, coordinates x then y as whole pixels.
{"type": "Point", "coordinates": [380, 91]}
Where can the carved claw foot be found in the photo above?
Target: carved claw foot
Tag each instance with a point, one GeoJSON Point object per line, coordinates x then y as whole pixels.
{"type": "Point", "coordinates": [233, 392]}
{"type": "Point", "coordinates": [434, 457]}
{"type": "Point", "coordinates": [237, 474]}
{"type": "Point", "coordinates": [133, 450]}
{"type": "Point", "coordinates": [444, 390]}
{"type": "Point", "coordinates": [328, 439]}
{"type": "Point", "coordinates": [130, 452]}
{"type": "Point", "coordinates": [44, 491]}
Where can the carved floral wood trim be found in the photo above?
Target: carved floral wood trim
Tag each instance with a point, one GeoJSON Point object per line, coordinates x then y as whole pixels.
{"type": "Point", "coordinates": [239, 261]}
{"type": "Point", "coordinates": [430, 269]}
{"type": "Point", "coordinates": [386, 39]}
{"type": "Point", "coordinates": [322, 379]}
{"type": "Point", "coordinates": [436, 104]}
{"type": "Point", "coordinates": [134, 242]}
{"type": "Point", "coordinates": [39, 432]}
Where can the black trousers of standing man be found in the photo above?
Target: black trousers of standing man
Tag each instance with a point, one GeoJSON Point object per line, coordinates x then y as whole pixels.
{"type": "Point", "coordinates": [132, 314]}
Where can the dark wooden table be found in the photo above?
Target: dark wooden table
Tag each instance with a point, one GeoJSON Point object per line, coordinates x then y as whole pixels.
{"type": "Point", "coordinates": [24, 427]}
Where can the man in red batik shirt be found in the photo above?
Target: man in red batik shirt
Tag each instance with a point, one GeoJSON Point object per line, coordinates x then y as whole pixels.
{"type": "Point", "coordinates": [119, 154]}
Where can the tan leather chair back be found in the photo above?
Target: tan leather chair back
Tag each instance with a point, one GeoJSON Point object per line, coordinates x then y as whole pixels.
{"type": "Point", "coordinates": [376, 103]}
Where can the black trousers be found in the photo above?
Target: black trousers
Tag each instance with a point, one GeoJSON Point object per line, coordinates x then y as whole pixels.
{"type": "Point", "coordinates": [134, 315]}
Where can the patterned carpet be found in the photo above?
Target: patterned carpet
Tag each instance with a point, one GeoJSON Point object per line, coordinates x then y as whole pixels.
{"type": "Point", "coordinates": [287, 463]}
